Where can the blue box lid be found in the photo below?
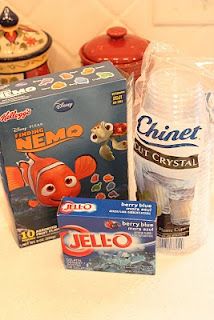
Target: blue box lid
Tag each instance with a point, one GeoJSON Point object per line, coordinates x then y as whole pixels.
{"type": "Point", "coordinates": [57, 83]}
{"type": "Point", "coordinates": [124, 209]}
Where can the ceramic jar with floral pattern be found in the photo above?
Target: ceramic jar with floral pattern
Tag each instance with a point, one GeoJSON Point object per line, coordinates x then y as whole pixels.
{"type": "Point", "coordinates": [23, 50]}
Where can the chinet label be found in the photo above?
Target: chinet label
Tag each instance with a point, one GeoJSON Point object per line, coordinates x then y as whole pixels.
{"type": "Point", "coordinates": [168, 144]}
{"type": "Point", "coordinates": [155, 133]}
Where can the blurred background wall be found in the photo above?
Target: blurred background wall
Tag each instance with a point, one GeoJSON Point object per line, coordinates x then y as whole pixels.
{"type": "Point", "coordinates": [188, 24]}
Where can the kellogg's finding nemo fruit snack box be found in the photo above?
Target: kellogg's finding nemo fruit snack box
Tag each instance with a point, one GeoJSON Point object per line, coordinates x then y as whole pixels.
{"type": "Point", "coordinates": [64, 134]}
{"type": "Point", "coordinates": [108, 235]}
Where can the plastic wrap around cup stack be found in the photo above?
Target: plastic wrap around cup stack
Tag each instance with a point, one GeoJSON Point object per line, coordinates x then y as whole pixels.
{"type": "Point", "coordinates": [175, 100]}
{"type": "Point", "coordinates": [210, 102]}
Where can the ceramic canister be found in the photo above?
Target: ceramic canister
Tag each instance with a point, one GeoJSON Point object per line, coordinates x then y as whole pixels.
{"type": "Point", "coordinates": [124, 50]}
{"type": "Point", "coordinates": [23, 50]}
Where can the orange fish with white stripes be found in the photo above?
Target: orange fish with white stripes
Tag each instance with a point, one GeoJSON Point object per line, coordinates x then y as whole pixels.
{"type": "Point", "coordinates": [49, 178]}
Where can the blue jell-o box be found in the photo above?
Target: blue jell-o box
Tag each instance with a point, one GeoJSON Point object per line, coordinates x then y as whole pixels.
{"type": "Point", "coordinates": [108, 235]}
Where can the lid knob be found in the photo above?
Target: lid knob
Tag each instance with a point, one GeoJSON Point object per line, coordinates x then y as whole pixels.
{"type": "Point", "coordinates": [8, 18]}
{"type": "Point", "coordinates": [116, 32]}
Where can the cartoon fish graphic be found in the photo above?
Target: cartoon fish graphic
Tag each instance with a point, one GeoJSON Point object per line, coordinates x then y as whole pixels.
{"type": "Point", "coordinates": [49, 178]}
{"type": "Point", "coordinates": [104, 132]}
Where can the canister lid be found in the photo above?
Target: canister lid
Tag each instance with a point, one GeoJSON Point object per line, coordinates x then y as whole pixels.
{"type": "Point", "coordinates": [20, 42]}
{"type": "Point", "coordinates": [116, 45]}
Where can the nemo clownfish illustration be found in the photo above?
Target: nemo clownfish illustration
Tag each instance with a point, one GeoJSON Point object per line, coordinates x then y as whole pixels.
{"type": "Point", "coordinates": [49, 178]}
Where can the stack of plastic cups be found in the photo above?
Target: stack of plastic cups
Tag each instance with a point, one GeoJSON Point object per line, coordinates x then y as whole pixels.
{"type": "Point", "coordinates": [175, 101]}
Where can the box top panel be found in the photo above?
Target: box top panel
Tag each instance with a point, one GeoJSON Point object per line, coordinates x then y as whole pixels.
{"type": "Point", "coordinates": [124, 209]}
{"type": "Point", "coordinates": [55, 83]}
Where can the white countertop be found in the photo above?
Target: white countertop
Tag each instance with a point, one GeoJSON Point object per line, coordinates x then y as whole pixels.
{"type": "Point", "coordinates": [35, 285]}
